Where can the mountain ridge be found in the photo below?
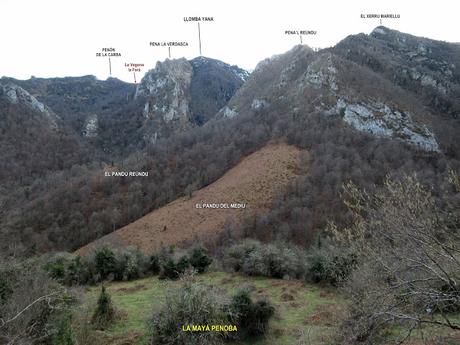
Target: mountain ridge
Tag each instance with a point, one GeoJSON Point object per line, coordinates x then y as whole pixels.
{"type": "Point", "coordinates": [140, 113]}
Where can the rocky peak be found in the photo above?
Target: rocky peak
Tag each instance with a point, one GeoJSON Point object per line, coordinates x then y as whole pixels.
{"type": "Point", "coordinates": [166, 75]}
{"type": "Point", "coordinates": [167, 92]}
{"type": "Point", "coordinates": [213, 84]}
{"type": "Point", "coordinates": [180, 94]}
{"type": "Point", "coordinates": [292, 55]}
{"type": "Point", "coordinates": [380, 31]}
{"type": "Point", "coordinates": [202, 62]}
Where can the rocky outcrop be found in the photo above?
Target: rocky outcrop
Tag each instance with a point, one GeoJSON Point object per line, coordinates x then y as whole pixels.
{"type": "Point", "coordinates": [167, 88]}
{"type": "Point", "coordinates": [321, 73]}
{"type": "Point", "coordinates": [91, 126]}
{"type": "Point", "coordinates": [380, 120]}
{"type": "Point", "coordinates": [259, 104]}
{"type": "Point", "coordinates": [229, 112]}
{"type": "Point", "coordinates": [17, 95]}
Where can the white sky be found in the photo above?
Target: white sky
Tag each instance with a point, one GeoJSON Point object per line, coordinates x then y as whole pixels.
{"type": "Point", "coordinates": [56, 38]}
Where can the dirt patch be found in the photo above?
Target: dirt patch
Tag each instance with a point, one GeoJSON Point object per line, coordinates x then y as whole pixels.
{"type": "Point", "coordinates": [254, 182]}
{"type": "Point", "coordinates": [278, 316]}
{"type": "Point", "coordinates": [129, 338]}
{"type": "Point", "coordinates": [278, 332]}
{"type": "Point", "coordinates": [278, 283]}
{"type": "Point", "coordinates": [293, 291]}
{"type": "Point", "coordinates": [326, 294]}
{"type": "Point", "coordinates": [436, 340]}
{"type": "Point", "coordinates": [132, 288]}
{"type": "Point", "coordinates": [227, 280]}
{"type": "Point", "coordinates": [294, 305]}
{"type": "Point", "coordinates": [287, 297]}
{"type": "Point", "coordinates": [249, 287]}
{"type": "Point", "coordinates": [326, 315]}
{"type": "Point", "coordinates": [121, 315]}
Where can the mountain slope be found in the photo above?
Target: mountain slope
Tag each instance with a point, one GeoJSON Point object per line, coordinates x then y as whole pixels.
{"type": "Point", "coordinates": [426, 67]}
{"type": "Point", "coordinates": [364, 90]}
{"type": "Point", "coordinates": [423, 71]}
{"type": "Point", "coordinates": [58, 135]}
{"type": "Point", "coordinates": [75, 98]}
{"type": "Point", "coordinates": [253, 182]}
{"type": "Point", "coordinates": [34, 140]}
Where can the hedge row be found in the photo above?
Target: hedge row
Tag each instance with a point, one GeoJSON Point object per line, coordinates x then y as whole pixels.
{"type": "Point", "coordinates": [106, 263]}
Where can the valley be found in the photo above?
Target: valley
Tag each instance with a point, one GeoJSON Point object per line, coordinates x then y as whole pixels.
{"type": "Point", "coordinates": [314, 200]}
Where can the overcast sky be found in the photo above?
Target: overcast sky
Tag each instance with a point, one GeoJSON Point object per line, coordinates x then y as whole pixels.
{"type": "Point", "coordinates": [56, 38]}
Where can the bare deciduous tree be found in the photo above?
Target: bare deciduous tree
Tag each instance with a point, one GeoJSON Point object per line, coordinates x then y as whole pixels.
{"type": "Point", "coordinates": [410, 260]}
{"type": "Point", "coordinates": [29, 299]}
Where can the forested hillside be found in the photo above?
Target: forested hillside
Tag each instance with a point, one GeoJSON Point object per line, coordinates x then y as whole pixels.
{"type": "Point", "coordinates": [353, 127]}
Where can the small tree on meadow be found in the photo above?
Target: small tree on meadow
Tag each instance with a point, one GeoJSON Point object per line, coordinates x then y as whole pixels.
{"type": "Point", "coordinates": [104, 314]}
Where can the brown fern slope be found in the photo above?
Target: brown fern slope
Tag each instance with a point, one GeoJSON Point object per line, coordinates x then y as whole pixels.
{"type": "Point", "coordinates": [254, 182]}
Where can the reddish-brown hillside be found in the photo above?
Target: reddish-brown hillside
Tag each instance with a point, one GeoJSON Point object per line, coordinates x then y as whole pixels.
{"type": "Point", "coordinates": [253, 182]}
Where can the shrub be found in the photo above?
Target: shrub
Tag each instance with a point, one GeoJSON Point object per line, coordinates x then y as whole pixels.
{"type": "Point", "coordinates": [252, 318]}
{"type": "Point", "coordinates": [172, 269]}
{"type": "Point", "coordinates": [191, 304]}
{"type": "Point", "coordinates": [130, 264]}
{"type": "Point", "coordinates": [169, 270]}
{"type": "Point", "coordinates": [277, 261]}
{"type": "Point", "coordinates": [270, 260]}
{"type": "Point", "coordinates": [183, 264]}
{"type": "Point", "coordinates": [105, 261]}
{"type": "Point", "coordinates": [66, 268]}
{"type": "Point", "coordinates": [262, 311]}
{"type": "Point", "coordinates": [6, 288]}
{"type": "Point", "coordinates": [199, 259]}
{"type": "Point", "coordinates": [104, 314]}
{"type": "Point", "coordinates": [236, 254]}
{"type": "Point", "coordinates": [318, 268]}
{"type": "Point", "coordinates": [64, 334]}
{"type": "Point", "coordinates": [76, 272]}
{"type": "Point", "coordinates": [342, 267]}
{"type": "Point", "coordinates": [330, 264]}
{"type": "Point", "coordinates": [154, 264]}
{"type": "Point", "coordinates": [56, 268]}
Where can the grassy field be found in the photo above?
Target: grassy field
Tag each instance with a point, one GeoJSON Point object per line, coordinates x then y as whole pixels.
{"type": "Point", "coordinates": [304, 313]}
